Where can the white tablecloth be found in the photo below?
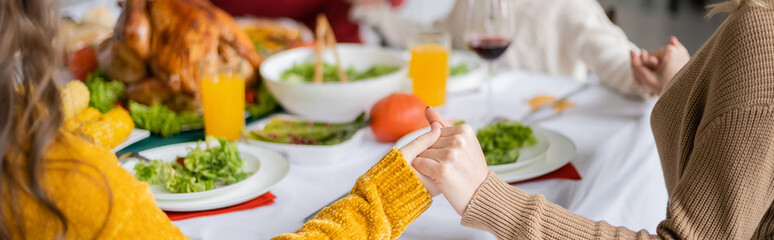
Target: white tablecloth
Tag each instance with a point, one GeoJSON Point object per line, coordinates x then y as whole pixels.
{"type": "Point", "coordinates": [617, 159]}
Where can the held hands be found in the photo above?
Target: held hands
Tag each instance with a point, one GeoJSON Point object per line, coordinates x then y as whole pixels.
{"type": "Point", "coordinates": [422, 143]}
{"type": "Point", "coordinates": [652, 71]}
{"type": "Point", "coordinates": [454, 163]}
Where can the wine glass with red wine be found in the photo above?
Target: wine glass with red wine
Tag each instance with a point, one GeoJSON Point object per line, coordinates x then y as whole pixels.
{"type": "Point", "coordinates": [488, 32]}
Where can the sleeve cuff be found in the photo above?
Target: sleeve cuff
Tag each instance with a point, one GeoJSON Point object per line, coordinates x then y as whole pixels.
{"type": "Point", "coordinates": [496, 207]}
{"type": "Point", "coordinates": [398, 187]}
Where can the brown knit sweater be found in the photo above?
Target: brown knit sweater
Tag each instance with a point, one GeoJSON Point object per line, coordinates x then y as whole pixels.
{"type": "Point", "coordinates": [714, 128]}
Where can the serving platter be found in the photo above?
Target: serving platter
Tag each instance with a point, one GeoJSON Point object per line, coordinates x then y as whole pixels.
{"type": "Point", "coordinates": [309, 154]}
{"type": "Point", "coordinates": [135, 136]}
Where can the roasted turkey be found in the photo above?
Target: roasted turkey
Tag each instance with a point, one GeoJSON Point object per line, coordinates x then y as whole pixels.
{"type": "Point", "coordinates": [160, 47]}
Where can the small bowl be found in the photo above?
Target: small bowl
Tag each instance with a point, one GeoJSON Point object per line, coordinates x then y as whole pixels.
{"type": "Point", "coordinates": [470, 80]}
{"type": "Point", "coordinates": [309, 154]}
{"type": "Point", "coordinates": [333, 102]}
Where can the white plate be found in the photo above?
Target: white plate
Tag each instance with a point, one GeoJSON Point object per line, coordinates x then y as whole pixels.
{"type": "Point", "coordinates": [273, 168]}
{"type": "Point", "coordinates": [527, 155]}
{"type": "Point", "coordinates": [135, 136]}
{"type": "Point", "coordinates": [170, 153]}
{"type": "Point", "coordinates": [309, 154]}
{"type": "Point", "coordinates": [560, 153]}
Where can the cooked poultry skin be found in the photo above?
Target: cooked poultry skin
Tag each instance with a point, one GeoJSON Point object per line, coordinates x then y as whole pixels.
{"type": "Point", "coordinates": [120, 62]}
{"type": "Point", "coordinates": [133, 27]}
{"type": "Point", "coordinates": [174, 40]}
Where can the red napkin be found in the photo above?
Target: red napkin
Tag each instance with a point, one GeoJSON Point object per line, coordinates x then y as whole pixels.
{"type": "Point", "coordinates": [260, 201]}
{"type": "Point", "coordinates": [566, 172]}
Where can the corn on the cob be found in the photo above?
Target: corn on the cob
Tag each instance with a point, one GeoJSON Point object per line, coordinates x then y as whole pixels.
{"type": "Point", "coordinates": [108, 130]}
{"type": "Point", "coordinates": [75, 99]}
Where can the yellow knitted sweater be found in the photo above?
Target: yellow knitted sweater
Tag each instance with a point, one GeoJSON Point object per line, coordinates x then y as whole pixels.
{"type": "Point", "coordinates": [103, 201]}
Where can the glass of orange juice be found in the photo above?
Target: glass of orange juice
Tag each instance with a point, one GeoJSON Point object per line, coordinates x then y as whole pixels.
{"type": "Point", "coordinates": [223, 101]}
{"type": "Point", "coordinates": [429, 66]}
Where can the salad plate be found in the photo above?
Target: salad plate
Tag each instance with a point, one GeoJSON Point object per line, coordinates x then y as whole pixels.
{"type": "Point", "coordinates": [308, 154]}
{"type": "Point", "coordinates": [527, 155]}
{"type": "Point", "coordinates": [266, 167]}
{"type": "Point", "coordinates": [551, 151]}
{"type": "Point", "coordinates": [274, 167]}
{"type": "Point", "coordinates": [561, 151]}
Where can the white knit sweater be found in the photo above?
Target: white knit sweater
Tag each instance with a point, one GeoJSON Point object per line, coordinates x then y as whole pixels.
{"type": "Point", "coordinates": [560, 37]}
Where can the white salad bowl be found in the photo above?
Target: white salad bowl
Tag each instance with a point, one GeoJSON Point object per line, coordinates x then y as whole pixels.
{"type": "Point", "coordinates": [309, 154]}
{"type": "Point", "coordinates": [333, 102]}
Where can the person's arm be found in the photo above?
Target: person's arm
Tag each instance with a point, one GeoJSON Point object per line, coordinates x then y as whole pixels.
{"type": "Point", "coordinates": [653, 71]}
{"type": "Point", "coordinates": [395, 30]}
{"type": "Point", "coordinates": [381, 205]}
{"type": "Point", "coordinates": [725, 189]}
{"type": "Point", "coordinates": [601, 45]}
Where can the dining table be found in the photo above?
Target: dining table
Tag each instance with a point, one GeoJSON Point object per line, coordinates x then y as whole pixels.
{"type": "Point", "coordinates": [616, 156]}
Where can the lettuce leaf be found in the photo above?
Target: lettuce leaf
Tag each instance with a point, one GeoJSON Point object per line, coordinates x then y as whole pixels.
{"type": "Point", "coordinates": [160, 120]}
{"type": "Point", "coordinates": [200, 171]}
{"type": "Point", "coordinates": [103, 93]}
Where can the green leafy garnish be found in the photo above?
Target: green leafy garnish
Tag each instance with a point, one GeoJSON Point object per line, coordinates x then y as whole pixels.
{"type": "Point", "coordinates": [199, 171]}
{"type": "Point", "coordinates": [260, 48]}
{"type": "Point", "coordinates": [458, 69]}
{"type": "Point", "coordinates": [304, 73]}
{"type": "Point", "coordinates": [264, 103]}
{"type": "Point", "coordinates": [103, 93]}
{"type": "Point", "coordinates": [280, 130]}
{"type": "Point", "coordinates": [502, 141]}
{"type": "Point", "coordinates": [160, 120]}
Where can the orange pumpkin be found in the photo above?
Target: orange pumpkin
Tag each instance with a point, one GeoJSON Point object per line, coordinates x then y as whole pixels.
{"type": "Point", "coordinates": [397, 115]}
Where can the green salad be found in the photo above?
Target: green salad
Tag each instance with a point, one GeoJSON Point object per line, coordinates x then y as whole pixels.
{"type": "Point", "coordinates": [199, 171]}
{"type": "Point", "coordinates": [285, 131]}
{"type": "Point", "coordinates": [304, 73]}
{"type": "Point", "coordinates": [502, 141]}
{"type": "Point", "coordinates": [103, 92]}
{"type": "Point", "coordinates": [458, 69]}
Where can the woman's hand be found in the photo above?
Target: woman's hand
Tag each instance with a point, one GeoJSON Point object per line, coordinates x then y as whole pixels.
{"type": "Point", "coordinates": [423, 142]}
{"type": "Point", "coordinates": [653, 70]}
{"type": "Point", "coordinates": [456, 164]}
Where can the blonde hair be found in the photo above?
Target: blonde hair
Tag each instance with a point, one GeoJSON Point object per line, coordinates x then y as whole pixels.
{"type": "Point", "coordinates": [731, 6]}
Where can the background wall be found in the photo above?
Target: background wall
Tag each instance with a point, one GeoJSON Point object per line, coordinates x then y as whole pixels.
{"type": "Point", "coordinates": [649, 23]}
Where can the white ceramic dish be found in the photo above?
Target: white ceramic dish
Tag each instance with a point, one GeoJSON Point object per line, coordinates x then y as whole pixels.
{"type": "Point", "coordinates": [333, 102]}
{"type": "Point", "coordinates": [309, 154]}
{"type": "Point", "coordinates": [470, 80]}
{"type": "Point", "coordinates": [135, 136]}
{"type": "Point", "coordinates": [561, 151]}
{"type": "Point", "coordinates": [273, 168]}
{"type": "Point", "coordinates": [527, 155]}
{"type": "Point", "coordinates": [460, 83]}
